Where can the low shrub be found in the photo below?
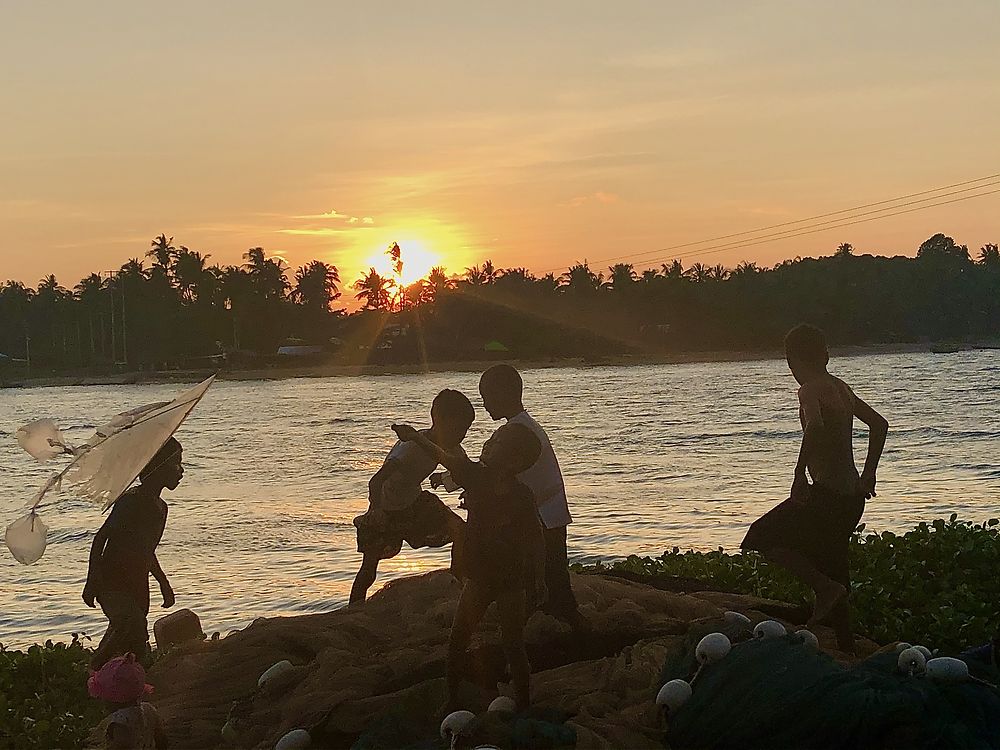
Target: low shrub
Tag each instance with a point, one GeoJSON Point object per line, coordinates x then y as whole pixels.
{"type": "Point", "coordinates": [933, 585]}
{"type": "Point", "coordinates": [43, 697]}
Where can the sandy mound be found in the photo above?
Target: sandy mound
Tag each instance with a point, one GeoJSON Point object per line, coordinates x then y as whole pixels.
{"type": "Point", "coordinates": [356, 666]}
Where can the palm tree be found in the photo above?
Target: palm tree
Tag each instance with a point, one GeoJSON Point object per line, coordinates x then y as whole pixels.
{"type": "Point", "coordinates": [375, 290]}
{"type": "Point", "coordinates": [698, 273]}
{"type": "Point", "coordinates": [718, 273]}
{"type": "Point", "coordinates": [674, 270]}
{"type": "Point", "coordinates": [621, 276]}
{"type": "Point", "coordinates": [744, 268]}
{"type": "Point", "coordinates": [316, 285]}
{"type": "Point", "coordinates": [266, 274]}
{"type": "Point", "coordinates": [989, 255]}
{"type": "Point", "coordinates": [844, 250]}
{"type": "Point", "coordinates": [191, 274]}
{"type": "Point", "coordinates": [438, 283]}
{"type": "Point", "coordinates": [547, 283]}
{"type": "Point", "coordinates": [482, 276]}
{"type": "Point", "coordinates": [163, 253]}
{"type": "Point", "coordinates": [579, 279]}
{"type": "Point", "coordinates": [15, 301]}
{"type": "Point", "coordinates": [650, 275]}
{"type": "Point", "coordinates": [90, 292]}
{"type": "Point", "coordinates": [133, 268]}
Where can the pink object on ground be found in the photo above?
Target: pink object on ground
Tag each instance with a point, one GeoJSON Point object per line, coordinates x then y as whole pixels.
{"type": "Point", "coordinates": [121, 680]}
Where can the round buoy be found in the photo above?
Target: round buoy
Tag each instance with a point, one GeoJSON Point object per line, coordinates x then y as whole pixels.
{"type": "Point", "coordinates": [274, 671]}
{"type": "Point", "coordinates": [455, 723]}
{"type": "Point", "coordinates": [911, 660]}
{"type": "Point", "coordinates": [673, 695]}
{"type": "Point", "coordinates": [947, 669]}
{"type": "Point", "coordinates": [769, 629]}
{"type": "Point", "coordinates": [737, 619]}
{"type": "Point", "coordinates": [808, 638]}
{"type": "Point", "coordinates": [502, 705]}
{"type": "Point", "coordinates": [294, 740]}
{"type": "Point", "coordinates": [712, 647]}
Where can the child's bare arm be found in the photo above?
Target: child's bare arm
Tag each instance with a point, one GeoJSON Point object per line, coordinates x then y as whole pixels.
{"type": "Point", "coordinates": [812, 428]}
{"type": "Point", "coordinates": [165, 588]}
{"type": "Point", "coordinates": [94, 564]}
{"type": "Point", "coordinates": [447, 459]}
{"type": "Point", "coordinates": [878, 429]}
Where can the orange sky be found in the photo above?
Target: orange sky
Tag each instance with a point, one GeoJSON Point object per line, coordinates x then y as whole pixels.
{"type": "Point", "coordinates": [532, 133]}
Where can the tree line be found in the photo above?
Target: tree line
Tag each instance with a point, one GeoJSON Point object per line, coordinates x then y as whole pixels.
{"type": "Point", "coordinates": [174, 309]}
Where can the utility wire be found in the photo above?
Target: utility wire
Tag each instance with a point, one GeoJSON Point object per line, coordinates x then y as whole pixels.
{"type": "Point", "coordinates": [841, 213]}
{"type": "Point", "coordinates": [735, 246]}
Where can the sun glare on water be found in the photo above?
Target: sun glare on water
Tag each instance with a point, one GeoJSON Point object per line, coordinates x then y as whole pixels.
{"type": "Point", "coordinates": [418, 260]}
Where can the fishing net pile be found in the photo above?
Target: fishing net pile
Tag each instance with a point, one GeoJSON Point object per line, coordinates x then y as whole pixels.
{"type": "Point", "coordinates": [778, 690]}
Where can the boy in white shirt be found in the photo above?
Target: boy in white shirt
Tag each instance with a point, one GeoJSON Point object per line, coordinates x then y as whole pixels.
{"type": "Point", "coordinates": [501, 388]}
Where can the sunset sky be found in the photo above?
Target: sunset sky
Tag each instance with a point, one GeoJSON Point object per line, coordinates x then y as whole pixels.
{"type": "Point", "coordinates": [532, 133]}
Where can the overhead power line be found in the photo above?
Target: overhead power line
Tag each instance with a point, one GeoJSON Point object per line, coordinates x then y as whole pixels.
{"type": "Point", "coordinates": [933, 195]}
{"type": "Point", "coordinates": [756, 241]}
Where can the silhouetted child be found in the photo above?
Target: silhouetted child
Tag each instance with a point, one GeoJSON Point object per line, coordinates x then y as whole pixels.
{"type": "Point", "coordinates": [501, 388]}
{"type": "Point", "coordinates": [135, 724]}
{"type": "Point", "coordinates": [502, 546]}
{"type": "Point", "coordinates": [809, 534]}
{"type": "Point", "coordinates": [399, 510]}
{"type": "Point", "coordinates": [123, 556]}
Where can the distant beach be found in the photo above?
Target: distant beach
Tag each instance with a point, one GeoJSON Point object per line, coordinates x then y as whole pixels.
{"type": "Point", "coordinates": [330, 370]}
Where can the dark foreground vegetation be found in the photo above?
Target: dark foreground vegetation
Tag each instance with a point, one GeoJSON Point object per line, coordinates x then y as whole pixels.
{"type": "Point", "coordinates": [174, 310]}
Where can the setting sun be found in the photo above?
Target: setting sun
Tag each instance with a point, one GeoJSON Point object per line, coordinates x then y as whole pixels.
{"type": "Point", "coordinates": [418, 260]}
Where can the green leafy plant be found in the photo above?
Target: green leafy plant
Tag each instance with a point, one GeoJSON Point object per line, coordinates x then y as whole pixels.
{"type": "Point", "coordinates": [43, 697]}
{"type": "Point", "coordinates": [933, 585]}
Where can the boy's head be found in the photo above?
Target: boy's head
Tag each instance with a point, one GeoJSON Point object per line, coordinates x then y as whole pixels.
{"type": "Point", "coordinates": [122, 680]}
{"type": "Point", "coordinates": [501, 388]}
{"type": "Point", "coordinates": [452, 414]}
{"type": "Point", "coordinates": [512, 449]}
{"type": "Point", "coordinates": [165, 468]}
{"type": "Point", "coordinates": [806, 352]}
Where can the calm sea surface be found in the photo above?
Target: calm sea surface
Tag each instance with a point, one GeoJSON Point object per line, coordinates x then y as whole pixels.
{"type": "Point", "coordinates": [654, 457]}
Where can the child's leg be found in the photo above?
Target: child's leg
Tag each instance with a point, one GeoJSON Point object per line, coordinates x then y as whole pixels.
{"type": "Point", "coordinates": [829, 593]}
{"type": "Point", "coordinates": [127, 629]}
{"type": "Point", "coordinates": [511, 608]}
{"type": "Point", "coordinates": [456, 530]}
{"type": "Point", "coordinates": [472, 605]}
{"type": "Point", "coordinates": [365, 577]}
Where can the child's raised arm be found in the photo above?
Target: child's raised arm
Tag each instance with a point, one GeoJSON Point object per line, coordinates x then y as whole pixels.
{"type": "Point", "coordinates": [878, 429]}
{"type": "Point", "coordinates": [447, 459]}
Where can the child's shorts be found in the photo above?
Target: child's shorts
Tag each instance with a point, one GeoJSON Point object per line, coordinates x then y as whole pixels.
{"type": "Point", "coordinates": [423, 524]}
{"type": "Point", "coordinates": [819, 527]}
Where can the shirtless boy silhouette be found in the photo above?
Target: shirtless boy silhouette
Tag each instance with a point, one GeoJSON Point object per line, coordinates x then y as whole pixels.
{"type": "Point", "coordinates": [809, 534]}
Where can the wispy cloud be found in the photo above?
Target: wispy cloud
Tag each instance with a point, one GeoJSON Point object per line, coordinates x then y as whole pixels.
{"type": "Point", "coordinates": [335, 215]}
{"type": "Point", "coordinates": [601, 197]}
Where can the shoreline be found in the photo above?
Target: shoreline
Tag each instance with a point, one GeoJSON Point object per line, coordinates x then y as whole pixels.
{"type": "Point", "coordinates": [364, 370]}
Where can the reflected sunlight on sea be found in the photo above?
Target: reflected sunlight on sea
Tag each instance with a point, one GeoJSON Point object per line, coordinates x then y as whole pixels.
{"type": "Point", "coordinates": [654, 456]}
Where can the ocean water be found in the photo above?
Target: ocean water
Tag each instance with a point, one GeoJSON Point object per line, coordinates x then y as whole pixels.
{"type": "Point", "coordinates": [654, 457]}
